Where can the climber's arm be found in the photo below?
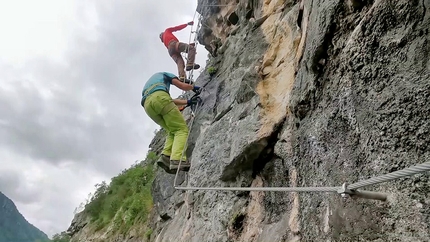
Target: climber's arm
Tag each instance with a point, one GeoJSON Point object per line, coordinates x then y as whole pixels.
{"type": "Point", "coordinates": [176, 28]}
{"type": "Point", "coordinates": [181, 85]}
{"type": "Point", "coordinates": [180, 102]}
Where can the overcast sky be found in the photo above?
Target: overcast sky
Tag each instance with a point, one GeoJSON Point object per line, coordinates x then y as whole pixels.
{"type": "Point", "coordinates": [71, 75]}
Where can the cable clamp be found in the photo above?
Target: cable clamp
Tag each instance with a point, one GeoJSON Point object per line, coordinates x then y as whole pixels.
{"type": "Point", "coordinates": [345, 193]}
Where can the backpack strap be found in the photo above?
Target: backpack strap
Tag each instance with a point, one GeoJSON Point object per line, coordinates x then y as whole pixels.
{"type": "Point", "coordinates": [166, 80]}
{"type": "Point", "coordinates": [152, 88]}
{"type": "Point", "coordinates": [147, 91]}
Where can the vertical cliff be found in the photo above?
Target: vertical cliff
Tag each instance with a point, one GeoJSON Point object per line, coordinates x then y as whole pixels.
{"type": "Point", "coordinates": [306, 93]}
{"type": "Point", "coordinates": [303, 93]}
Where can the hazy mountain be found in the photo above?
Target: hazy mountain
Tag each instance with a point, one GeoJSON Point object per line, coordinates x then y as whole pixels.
{"type": "Point", "coordinates": [14, 227]}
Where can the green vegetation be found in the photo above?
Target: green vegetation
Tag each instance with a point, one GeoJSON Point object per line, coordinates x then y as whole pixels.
{"type": "Point", "coordinates": [212, 70]}
{"type": "Point", "coordinates": [151, 157]}
{"type": "Point", "coordinates": [126, 200]}
{"type": "Point", "coordinates": [63, 237]}
{"type": "Point", "coordinates": [148, 234]}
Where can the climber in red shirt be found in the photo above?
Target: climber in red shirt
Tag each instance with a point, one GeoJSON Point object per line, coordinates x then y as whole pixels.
{"type": "Point", "coordinates": [175, 48]}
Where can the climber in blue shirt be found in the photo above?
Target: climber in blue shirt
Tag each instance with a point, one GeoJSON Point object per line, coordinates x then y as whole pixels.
{"type": "Point", "coordinates": [164, 111]}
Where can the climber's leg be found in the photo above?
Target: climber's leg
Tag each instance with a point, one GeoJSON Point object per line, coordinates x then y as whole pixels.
{"type": "Point", "coordinates": [176, 56]}
{"type": "Point", "coordinates": [154, 106]}
{"type": "Point", "coordinates": [191, 50]}
{"type": "Point", "coordinates": [176, 123]}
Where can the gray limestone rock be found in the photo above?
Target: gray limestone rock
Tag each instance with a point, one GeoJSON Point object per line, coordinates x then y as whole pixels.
{"type": "Point", "coordinates": [358, 110]}
{"type": "Point", "coordinates": [355, 77]}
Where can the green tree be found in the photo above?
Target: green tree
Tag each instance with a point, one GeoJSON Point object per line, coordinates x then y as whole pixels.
{"type": "Point", "coordinates": [126, 200]}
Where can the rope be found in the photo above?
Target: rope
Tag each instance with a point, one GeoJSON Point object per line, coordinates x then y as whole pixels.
{"type": "Point", "coordinates": [391, 176]}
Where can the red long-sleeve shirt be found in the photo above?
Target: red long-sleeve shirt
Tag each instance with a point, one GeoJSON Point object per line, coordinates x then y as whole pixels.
{"type": "Point", "coordinates": [168, 36]}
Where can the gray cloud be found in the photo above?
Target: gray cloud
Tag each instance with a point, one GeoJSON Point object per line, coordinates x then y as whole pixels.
{"type": "Point", "coordinates": [9, 181]}
{"type": "Point", "coordinates": [85, 111]}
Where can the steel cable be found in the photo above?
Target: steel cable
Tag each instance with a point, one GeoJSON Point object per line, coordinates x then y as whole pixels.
{"type": "Point", "coordinates": [264, 189]}
{"type": "Point", "coordinates": [190, 125]}
{"type": "Point", "coordinates": [391, 176]}
{"type": "Point", "coordinates": [193, 113]}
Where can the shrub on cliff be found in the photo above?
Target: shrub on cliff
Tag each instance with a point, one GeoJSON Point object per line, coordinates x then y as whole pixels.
{"type": "Point", "coordinates": [62, 237]}
{"type": "Point", "coordinates": [126, 200]}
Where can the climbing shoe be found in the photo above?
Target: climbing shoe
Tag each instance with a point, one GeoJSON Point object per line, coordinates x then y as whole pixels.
{"type": "Point", "coordinates": [185, 165]}
{"type": "Point", "coordinates": [164, 162]}
{"type": "Point", "coordinates": [189, 67]}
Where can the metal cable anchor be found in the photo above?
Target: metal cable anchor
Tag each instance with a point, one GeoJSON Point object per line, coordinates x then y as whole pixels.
{"type": "Point", "coordinates": [345, 192]}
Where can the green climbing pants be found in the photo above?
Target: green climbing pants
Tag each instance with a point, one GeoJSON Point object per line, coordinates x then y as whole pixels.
{"type": "Point", "coordinates": [160, 107]}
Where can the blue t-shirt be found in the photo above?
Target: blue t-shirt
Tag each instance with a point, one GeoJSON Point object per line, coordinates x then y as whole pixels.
{"type": "Point", "coordinates": [158, 81]}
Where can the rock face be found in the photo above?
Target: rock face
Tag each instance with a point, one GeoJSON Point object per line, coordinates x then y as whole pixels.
{"type": "Point", "coordinates": [306, 93]}
{"type": "Point", "coordinates": [14, 227]}
{"type": "Point", "coordinates": [302, 94]}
